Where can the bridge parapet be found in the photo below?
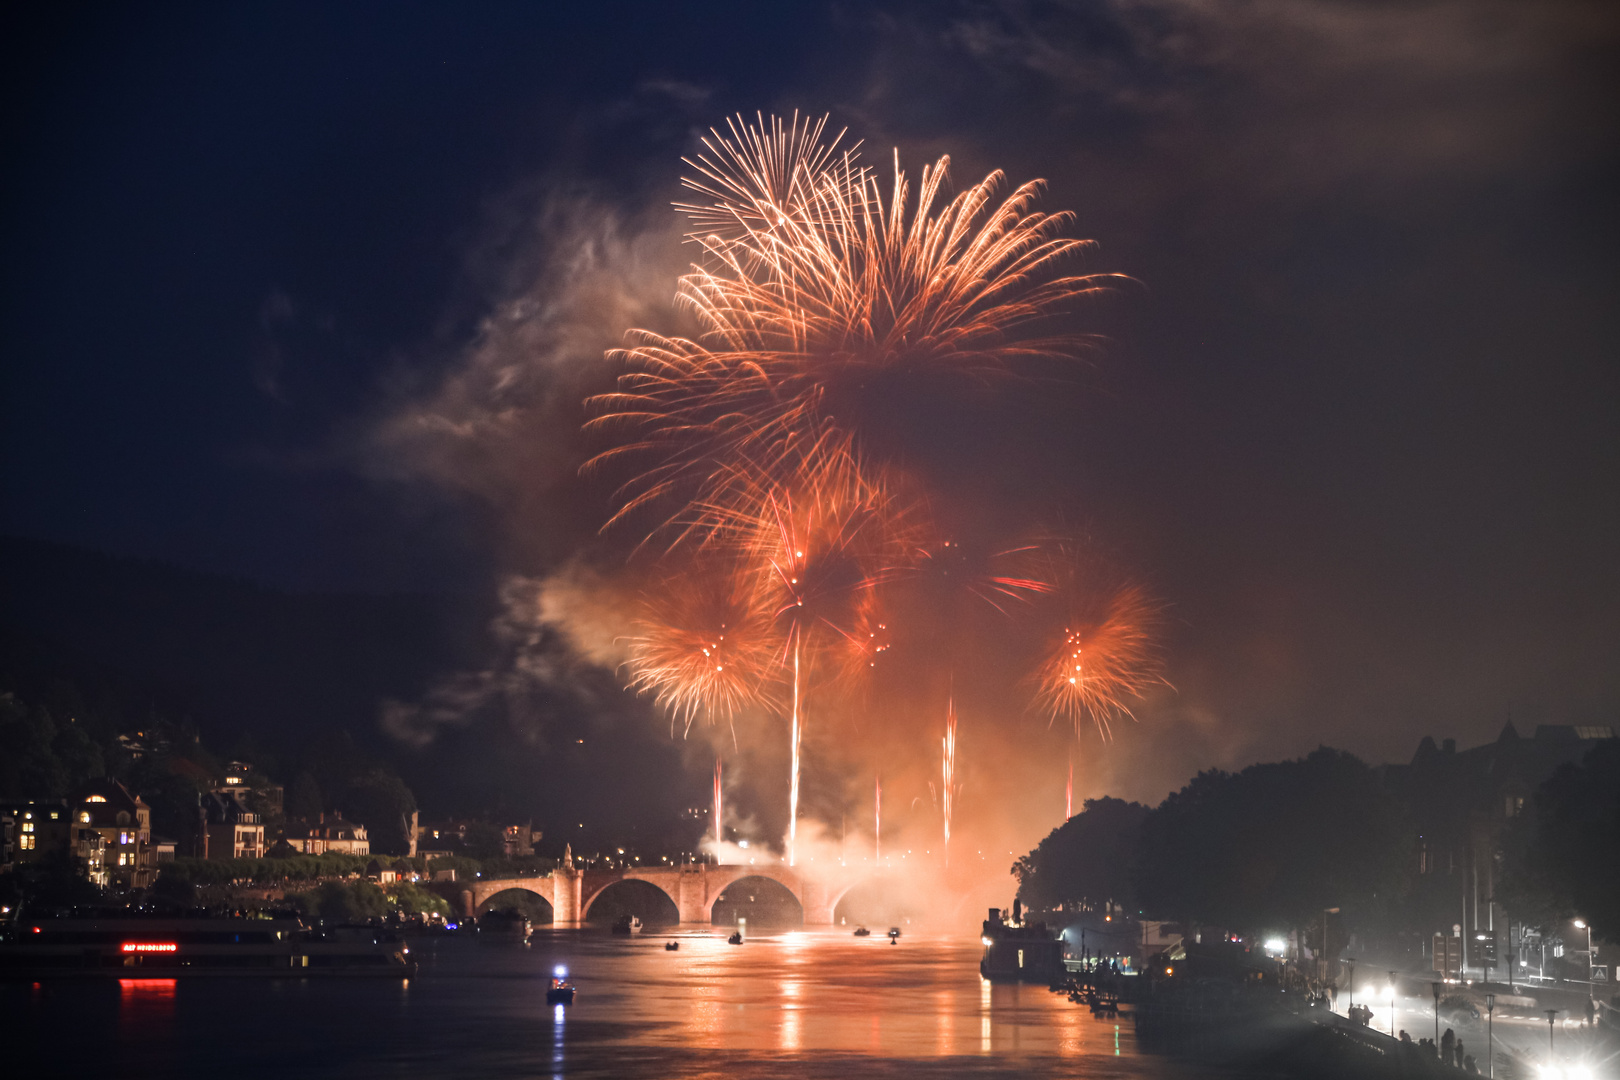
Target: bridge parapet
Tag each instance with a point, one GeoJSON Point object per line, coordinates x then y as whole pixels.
{"type": "Point", "coordinates": [693, 889]}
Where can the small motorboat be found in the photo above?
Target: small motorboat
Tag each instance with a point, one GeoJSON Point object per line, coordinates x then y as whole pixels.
{"type": "Point", "coordinates": [627, 924]}
{"type": "Point", "coordinates": [561, 991]}
{"type": "Point", "coordinates": [894, 933]}
{"type": "Point", "coordinates": [671, 946]}
{"type": "Point", "coordinates": [861, 931]}
{"type": "Point", "coordinates": [735, 938]}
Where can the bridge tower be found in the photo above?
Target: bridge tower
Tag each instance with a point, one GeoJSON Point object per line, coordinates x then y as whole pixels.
{"type": "Point", "coordinates": [568, 891]}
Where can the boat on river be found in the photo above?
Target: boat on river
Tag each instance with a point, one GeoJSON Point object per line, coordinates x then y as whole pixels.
{"type": "Point", "coordinates": [1019, 951]}
{"type": "Point", "coordinates": [123, 946]}
{"type": "Point", "coordinates": [861, 931]}
{"type": "Point", "coordinates": [561, 991]}
{"type": "Point", "coordinates": [627, 924]}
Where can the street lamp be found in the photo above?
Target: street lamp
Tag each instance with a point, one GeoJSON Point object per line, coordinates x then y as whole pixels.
{"type": "Point", "coordinates": [1437, 987]}
{"type": "Point", "coordinates": [1351, 962]}
{"type": "Point", "coordinates": [1591, 987]}
{"type": "Point", "coordinates": [1325, 913]}
{"type": "Point", "coordinates": [1552, 1014]}
{"type": "Point", "coordinates": [1490, 1034]}
{"type": "Point", "coordinates": [1392, 1004]}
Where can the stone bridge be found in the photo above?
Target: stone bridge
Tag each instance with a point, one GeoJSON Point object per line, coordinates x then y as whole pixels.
{"type": "Point", "coordinates": [693, 889]}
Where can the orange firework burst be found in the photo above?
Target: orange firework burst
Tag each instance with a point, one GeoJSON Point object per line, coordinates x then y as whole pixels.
{"type": "Point", "coordinates": [819, 553]}
{"type": "Point", "coordinates": [819, 296]}
{"type": "Point", "coordinates": [702, 645]}
{"type": "Point", "coordinates": [765, 448]}
{"type": "Point", "coordinates": [1105, 657]}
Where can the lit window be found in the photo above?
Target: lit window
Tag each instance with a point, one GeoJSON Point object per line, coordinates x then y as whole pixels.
{"type": "Point", "coordinates": [53, 815]}
{"type": "Point", "coordinates": [84, 817]}
{"type": "Point", "coordinates": [28, 843]}
{"type": "Point", "coordinates": [95, 798]}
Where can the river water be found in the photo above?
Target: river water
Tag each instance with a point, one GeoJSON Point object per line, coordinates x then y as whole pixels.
{"type": "Point", "coordinates": [790, 1004]}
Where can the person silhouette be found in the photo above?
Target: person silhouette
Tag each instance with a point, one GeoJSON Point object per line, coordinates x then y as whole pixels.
{"type": "Point", "coordinates": [1448, 1047]}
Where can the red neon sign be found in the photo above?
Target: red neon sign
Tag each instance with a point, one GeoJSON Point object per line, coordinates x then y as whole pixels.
{"type": "Point", "coordinates": [150, 946]}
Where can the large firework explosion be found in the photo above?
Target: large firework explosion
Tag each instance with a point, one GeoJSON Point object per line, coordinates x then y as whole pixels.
{"type": "Point", "coordinates": [792, 539]}
{"type": "Point", "coordinates": [816, 293]}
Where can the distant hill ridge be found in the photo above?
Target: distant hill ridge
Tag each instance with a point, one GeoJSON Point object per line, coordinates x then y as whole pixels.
{"type": "Point", "coordinates": [233, 654]}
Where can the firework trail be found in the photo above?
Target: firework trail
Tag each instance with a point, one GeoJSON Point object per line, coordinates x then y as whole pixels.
{"type": "Point", "coordinates": [719, 803]}
{"type": "Point", "coordinates": [798, 739]}
{"type": "Point", "coordinates": [948, 770]}
{"type": "Point", "coordinates": [877, 821]}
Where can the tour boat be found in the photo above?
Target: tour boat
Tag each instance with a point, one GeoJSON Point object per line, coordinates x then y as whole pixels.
{"type": "Point", "coordinates": [627, 924]}
{"type": "Point", "coordinates": [735, 938]}
{"type": "Point", "coordinates": [561, 991]}
{"type": "Point", "coordinates": [1017, 951]}
{"type": "Point", "coordinates": [124, 946]}
{"type": "Point", "coordinates": [861, 931]}
{"type": "Point", "coordinates": [671, 946]}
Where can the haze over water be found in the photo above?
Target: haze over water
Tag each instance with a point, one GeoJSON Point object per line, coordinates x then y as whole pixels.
{"type": "Point", "coordinates": [805, 1003]}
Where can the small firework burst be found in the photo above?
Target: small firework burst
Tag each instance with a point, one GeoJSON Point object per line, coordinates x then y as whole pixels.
{"type": "Point", "coordinates": [1105, 657]}
{"type": "Point", "coordinates": [702, 648]}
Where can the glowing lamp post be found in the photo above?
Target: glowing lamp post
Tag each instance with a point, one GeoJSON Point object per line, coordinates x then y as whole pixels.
{"type": "Point", "coordinates": [1591, 987]}
{"type": "Point", "coordinates": [1325, 913]}
{"type": "Point", "coordinates": [1391, 993]}
{"type": "Point", "coordinates": [1490, 1034]}
{"type": "Point", "coordinates": [1552, 1014]}
{"type": "Point", "coordinates": [1436, 987]}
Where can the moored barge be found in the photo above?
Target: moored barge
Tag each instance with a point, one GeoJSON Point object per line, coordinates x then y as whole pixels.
{"type": "Point", "coordinates": [126, 947]}
{"type": "Point", "coordinates": [1016, 951]}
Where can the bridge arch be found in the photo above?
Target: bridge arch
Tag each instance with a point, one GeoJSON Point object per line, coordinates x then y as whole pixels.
{"type": "Point", "coordinates": [632, 895]}
{"type": "Point", "coordinates": [532, 902]}
{"type": "Point", "coordinates": [872, 899]}
{"type": "Point", "coordinates": [760, 898]}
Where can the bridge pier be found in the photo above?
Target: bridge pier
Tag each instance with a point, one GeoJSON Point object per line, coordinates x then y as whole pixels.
{"type": "Point", "coordinates": [567, 894]}
{"type": "Point", "coordinates": [692, 894]}
{"type": "Point", "coordinates": [816, 900]}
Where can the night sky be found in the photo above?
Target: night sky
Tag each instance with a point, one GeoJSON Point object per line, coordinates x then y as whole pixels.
{"type": "Point", "coordinates": [309, 295]}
